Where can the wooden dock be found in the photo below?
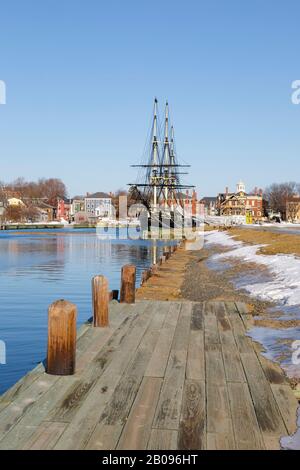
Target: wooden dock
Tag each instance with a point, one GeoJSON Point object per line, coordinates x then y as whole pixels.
{"type": "Point", "coordinates": [163, 375]}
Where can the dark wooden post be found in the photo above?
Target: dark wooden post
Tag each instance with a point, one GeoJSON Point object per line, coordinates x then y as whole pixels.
{"type": "Point", "coordinates": [114, 294]}
{"type": "Point", "coordinates": [100, 300]}
{"type": "Point", "coordinates": [61, 352]}
{"type": "Point", "coordinates": [128, 276]}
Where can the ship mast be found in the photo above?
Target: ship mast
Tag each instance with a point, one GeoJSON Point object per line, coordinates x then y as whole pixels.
{"type": "Point", "coordinates": [166, 156]}
{"type": "Point", "coordinates": [154, 173]}
{"type": "Point", "coordinates": [161, 180]}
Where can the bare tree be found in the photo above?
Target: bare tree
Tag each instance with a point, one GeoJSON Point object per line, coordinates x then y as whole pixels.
{"type": "Point", "coordinates": [278, 194]}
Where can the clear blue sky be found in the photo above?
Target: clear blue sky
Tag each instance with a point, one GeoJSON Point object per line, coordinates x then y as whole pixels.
{"type": "Point", "coordinates": [81, 77]}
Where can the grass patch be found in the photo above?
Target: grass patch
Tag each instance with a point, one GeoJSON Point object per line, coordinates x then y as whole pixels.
{"type": "Point", "coordinates": [274, 242]}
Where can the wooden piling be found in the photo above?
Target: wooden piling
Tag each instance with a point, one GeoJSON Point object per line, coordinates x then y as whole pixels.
{"type": "Point", "coordinates": [100, 301]}
{"type": "Point", "coordinates": [61, 351]}
{"type": "Point", "coordinates": [128, 276]}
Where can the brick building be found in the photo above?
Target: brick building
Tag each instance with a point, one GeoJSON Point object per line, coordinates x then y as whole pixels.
{"type": "Point", "coordinates": [240, 203]}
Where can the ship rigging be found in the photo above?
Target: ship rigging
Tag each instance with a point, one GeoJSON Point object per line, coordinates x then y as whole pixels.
{"type": "Point", "coordinates": [159, 186]}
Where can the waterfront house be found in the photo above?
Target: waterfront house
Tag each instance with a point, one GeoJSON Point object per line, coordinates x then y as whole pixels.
{"type": "Point", "coordinates": [98, 205]}
{"type": "Point", "coordinates": [63, 208]}
{"type": "Point", "coordinates": [240, 203]}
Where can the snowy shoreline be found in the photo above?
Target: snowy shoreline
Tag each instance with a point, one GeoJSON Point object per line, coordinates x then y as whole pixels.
{"type": "Point", "coordinates": [284, 288]}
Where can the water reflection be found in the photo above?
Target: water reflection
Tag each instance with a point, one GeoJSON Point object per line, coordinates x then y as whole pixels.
{"type": "Point", "coordinates": [38, 268]}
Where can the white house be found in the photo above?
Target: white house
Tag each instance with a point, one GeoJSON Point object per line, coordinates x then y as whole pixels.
{"type": "Point", "coordinates": [98, 205]}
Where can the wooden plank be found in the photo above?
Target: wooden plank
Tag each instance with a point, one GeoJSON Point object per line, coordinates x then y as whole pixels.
{"type": "Point", "coordinates": [197, 317]}
{"type": "Point", "coordinates": [217, 441]}
{"type": "Point", "coordinates": [158, 362]}
{"type": "Point", "coordinates": [61, 401]}
{"type": "Point", "coordinates": [144, 352]}
{"type": "Point", "coordinates": [219, 419]}
{"type": "Point", "coordinates": [288, 406]}
{"type": "Point", "coordinates": [195, 367]}
{"type": "Point", "coordinates": [244, 343]}
{"type": "Point", "coordinates": [45, 436]}
{"type": "Point", "coordinates": [163, 439]}
{"type": "Point", "coordinates": [211, 334]}
{"type": "Point", "coordinates": [16, 390]}
{"type": "Point", "coordinates": [122, 348]}
{"type": "Point", "coordinates": [272, 371]}
{"type": "Point", "coordinates": [168, 409]}
{"type": "Point", "coordinates": [32, 417]}
{"type": "Point", "coordinates": [245, 426]}
{"type": "Point", "coordinates": [11, 414]}
{"type": "Point", "coordinates": [192, 428]}
{"type": "Point", "coordinates": [113, 418]}
{"type": "Point", "coordinates": [232, 361]}
{"type": "Point", "coordinates": [214, 366]}
{"type": "Point", "coordinates": [266, 409]}
{"type": "Point", "coordinates": [137, 430]}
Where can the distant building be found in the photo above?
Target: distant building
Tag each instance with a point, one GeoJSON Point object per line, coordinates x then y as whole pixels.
{"type": "Point", "coordinates": [63, 209]}
{"type": "Point", "coordinates": [45, 211]}
{"type": "Point", "coordinates": [210, 205]}
{"type": "Point", "coordinates": [240, 203]}
{"type": "Point", "coordinates": [77, 206]}
{"type": "Point", "coordinates": [98, 205]}
{"type": "Point", "coordinates": [16, 202]}
{"type": "Point", "coordinates": [293, 209]}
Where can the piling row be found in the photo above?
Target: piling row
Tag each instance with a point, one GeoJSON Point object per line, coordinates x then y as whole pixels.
{"type": "Point", "coordinates": [62, 315]}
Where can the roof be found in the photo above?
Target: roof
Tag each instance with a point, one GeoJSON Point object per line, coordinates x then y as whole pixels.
{"type": "Point", "coordinates": [208, 199]}
{"type": "Point", "coordinates": [98, 195]}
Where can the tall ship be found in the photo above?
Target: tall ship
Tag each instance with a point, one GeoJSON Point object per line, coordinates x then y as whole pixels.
{"type": "Point", "coordinates": [159, 185]}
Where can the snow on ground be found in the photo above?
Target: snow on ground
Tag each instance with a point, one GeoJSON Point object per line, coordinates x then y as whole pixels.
{"type": "Point", "coordinates": [285, 286]}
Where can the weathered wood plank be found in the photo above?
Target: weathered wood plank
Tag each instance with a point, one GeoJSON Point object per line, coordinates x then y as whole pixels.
{"type": "Point", "coordinates": [158, 362]}
{"type": "Point", "coordinates": [245, 426]}
{"type": "Point", "coordinates": [244, 343]}
{"type": "Point", "coordinates": [288, 406]}
{"type": "Point", "coordinates": [163, 439]}
{"type": "Point", "coordinates": [192, 428]}
{"type": "Point", "coordinates": [195, 367]}
{"type": "Point", "coordinates": [11, 414]}
{"type": "Point", "coordinates": [168, 409]}
{"type": "Point", "coordinates": [113, 418]}
{"type": "Point", "coordinates": [122, 348]}
{"type": "Point", "coordinates": [219, 419]}
{"type": "Point", "coordinates": [217, 441]}
{"type": "Point", "coordinates": [266, 409]}
{"type": "Point", "coordinates": [232, 361]}
{"type": "Point", "coordinates": [136, 432]}
{"type": "Point", "coordinates": [16, 390]}
{"type": "Point", "coordinates": [45, 436]}
{"type": "Point", "coordinates": [214, 366]}
{"type": "Point", "coordinates": [19, 434]}
{"type": "Point", "coordinates": [211, 333]}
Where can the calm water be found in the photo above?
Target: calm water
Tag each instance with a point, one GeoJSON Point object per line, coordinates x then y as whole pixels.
{"type": "Point", "coordinates": [38, 268]}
